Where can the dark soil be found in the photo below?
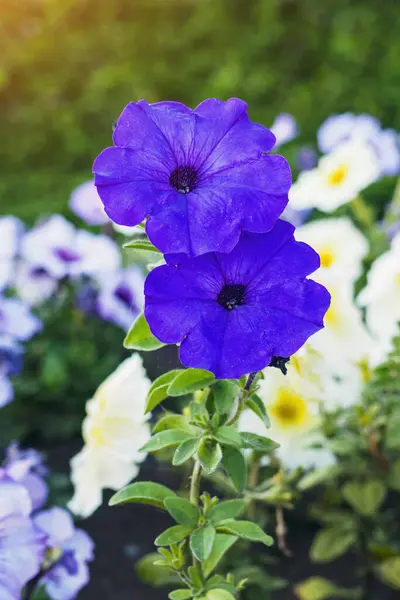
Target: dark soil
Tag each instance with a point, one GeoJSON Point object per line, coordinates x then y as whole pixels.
{"type": "Point", "coordinates": [124, 534]}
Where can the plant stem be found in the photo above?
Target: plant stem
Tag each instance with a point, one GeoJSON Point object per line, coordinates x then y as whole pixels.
{"type": "Point", "coordinates": [242, 399]}
{"type": "Point", "coordinates": [281, 531]}
{"type": "Point", "coordinates": [363, 212]}
{"type": "Point", "coordinates": [194, 499]}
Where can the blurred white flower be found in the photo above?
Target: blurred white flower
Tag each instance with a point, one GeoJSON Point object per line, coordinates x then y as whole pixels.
{"type": "Point", "coordinates": [292, 405]}
{"type": "Point", "coordinates": [284, 129]}
{"type": "Point", "coordinates": [384, 142]}
{"type": "Point", "coordinates": [85, 203]}
{"type": "Point", "coordinates": [33, 284]}
{"type": "Point", "coordinates": [114, 430]}
{"type": "Point", "coordinates": [11, 230]}
{"type": "Point", "coordinates": [344, 341]}
{"type": "Point", "coordinates": [121, 297]}
{"type": "Point", "coordinates": [339, 177]}
{"type": "Point", "coordinates": [61, 250]}
{"type": "Point", "coordinates": [340, 245]}
{"type": "Point", "coordinates": [381, 296]}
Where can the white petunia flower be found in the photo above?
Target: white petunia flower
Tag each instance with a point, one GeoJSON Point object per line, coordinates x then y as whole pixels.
{"type": "Point", "coordinates": [339, 177]}
{"type": "Point", "coordinates": [292, 405]}
{"type": "Point", "coordinates": [344, 341]}
{"type": "Point", "coordinates": [340, 245]}
{"type": "Point", "coordinates": [381, 296]}
{"type": "Point", "coordinates": [114, 430]}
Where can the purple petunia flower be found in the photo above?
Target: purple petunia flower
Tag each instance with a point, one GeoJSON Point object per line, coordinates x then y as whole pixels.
{"type": "Point", "coordinates": [10, 365]}
{"type": "Point", "coordinates": [74, 548]}
{"type": "Point", "coordinates": [234, 312]}
{"type": "Point", "coordinates": [22, 544]}
{"type": "Point", "coordinates": [198, 176]}
{"type": "Point", "coordinates": [121, 297]}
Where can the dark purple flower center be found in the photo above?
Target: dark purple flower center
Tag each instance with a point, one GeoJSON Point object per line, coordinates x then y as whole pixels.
{"type": "Point", "coordinates": [184, 179]}
{"type": "Point", "coordinates": [124, 294]}
{"type": "Point", "coordinates": [231, 296]}
{"type": "Point", "coordinates": [39, 272]}
{"type": "Point", "coordinates": [69, 562]}
{"type": "Point", "coordinates": [279, 362]}
{"type": "Point", "coordinates": [66, 255]}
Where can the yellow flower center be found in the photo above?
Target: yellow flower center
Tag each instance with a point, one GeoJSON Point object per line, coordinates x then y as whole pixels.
{"type": "Point", "coordinates": [289, 409]}
{"type": "Point", "coordinates": [326, 258]}
{"type": "Point", "coordinates": [338, 175]}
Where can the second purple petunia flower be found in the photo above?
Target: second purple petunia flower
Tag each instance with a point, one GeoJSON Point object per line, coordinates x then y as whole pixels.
{"type": "Point", "coordinates": [199, 176]}
{"type": "Point", "coordinates": [233, 313]}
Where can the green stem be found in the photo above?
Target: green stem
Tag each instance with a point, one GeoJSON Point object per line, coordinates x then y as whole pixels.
{"type": "Point", "coordinates": [363, 212]}
{"type": "Point", "coordinates": [194, 499]}
{"type": "Point", "coordinates": [242, 400]}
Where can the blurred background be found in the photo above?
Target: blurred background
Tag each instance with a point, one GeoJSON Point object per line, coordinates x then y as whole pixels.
{"type": "Point", "coordinates": [68, 68]}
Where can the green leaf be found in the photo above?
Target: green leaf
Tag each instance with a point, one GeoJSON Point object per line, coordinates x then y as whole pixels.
{"type": "Point", "coordinates": [330, 543]}
{"type": "Point", "coordinates": [222, 544]}
{"type": "Point", "coordinates": [139, 337]}
{"type": "Point", "coordinates": [392, 439]}
{"type": "Point", "coordinates": [185, 451]}
{"type": "Point", "coordinates": [258, 407]}
{"type": "Point", "coordinates": [246, 530]}
{"type": "Point", "coordinates": [180, 595]}
{"type": "Point", "coordinates": [39, 593]}
{"type": "Point", "coordinates": [230, 509]}
{"type": "Point", "coordinates": [315, 588]}
{"type": "Point", "coordinates": [316, 477]}
{"type": "Point", "coordinates": [258, 442]}
{"type": "Point", "coordinates": [201, 542]}
{"type": "Point", "coordinates": [141, 244]}
{"type": "Point", "coordinates": [142, 492]}
{"type": "Point", "coordinates": [173, 535]}
{"type": "Point", "coordinates": [228, 436]}
{"type": "Point", "coordinates": [174, 421]}
{"type": "Point", "coordinates": [152, 574]}
{"type": "Point", "coordinates": [195, 577]}
{"type": "Point", "coordinates": [219, 594]}
{"type": "Point", "coordinates": [158, 389]}
{"type": "Point", "coordinates": [394, 475]}
{"type": "Point", "coordinates": [209, 455]}
{"type": "Point", "coordinates": [165, 439]}
{"type": "Point", "coordinates": [225, 393]}
{"type": "Point", "coordinates": [389, 572]}
{"type": "Point", "coordinates": [189, 381]}
{"type": "Point", "coordinates": [236, 467]}
{"type": "Point", "coordinates": [182, 511]}
{"type": "Point", "coordinates": [366, 497]}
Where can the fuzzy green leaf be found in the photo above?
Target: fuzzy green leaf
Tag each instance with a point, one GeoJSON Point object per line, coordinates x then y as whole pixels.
{"type": "Point", "coordinates": [189, 381]}
{"type": "Point", "coordinates": [258, 442]}
{"type": "Point", "coordinates": [225, 392]}
{"type": "Point", "coordinates": [201, 542]}
{"type": "Point", "coordinates": [219, 594]}
{"type": "Point", "coordinates": [316, 477]}
{"type": "Point", "coordinates": [230, 509]}
{"type": "Point", "coordinates": [389, 572]}
{"type": "Point", "coordinates": [330, 543]}
{"type": "Point", "coordinates": [165, 439]}
{"type": "Point", "coordinates": [235, 466]}
{"type": "Point", "coordinates": [246, 530]}
{"type": "Point", "coordinates": [228, 436]}
{"type": "Point", "coordinates": [142, 244]}
{"type": "Point", "coordinates": [173, 535]}
{"type": "Point", "coordinates": [174, 421]}
{"type": "Point", "coordinates": [258, 407]}
{"type": "Point", "coordinates": [142, 492]}
{"type": "Point", "coordinates": [180, 595]}
{"type": "Point", "coordinates": [182, 511]}
{"type": "Point", "coordinates": [222, 544]}
{"type": "Point", "coordinates": [315, 588]}
{"type": "Point", "coordinates": [139, 337]}
{"type": "Point", "coordinates": [185, 451]}
{"type": "Point", "coordinates": [159, 387]}
{"type": "Point", "coordinates": [209, 455]}
{"type": "Point", "coordinates": [366, 497]}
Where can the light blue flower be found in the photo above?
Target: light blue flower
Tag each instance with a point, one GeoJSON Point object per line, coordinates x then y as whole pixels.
{"type": "Point", "coordinates": [16, 320]}
{"type": "Point", "coordinates": [284, 129]}
{"type": "Point", "coordinates": [11, 230]}
{"type": "Point", "coordinates": [72, 549]}
{"type": "Point", "coordinates": [121, 297]}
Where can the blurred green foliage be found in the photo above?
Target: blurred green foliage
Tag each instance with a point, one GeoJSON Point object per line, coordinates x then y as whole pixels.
{"type": "Point", "coordinates": [69, 66]}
